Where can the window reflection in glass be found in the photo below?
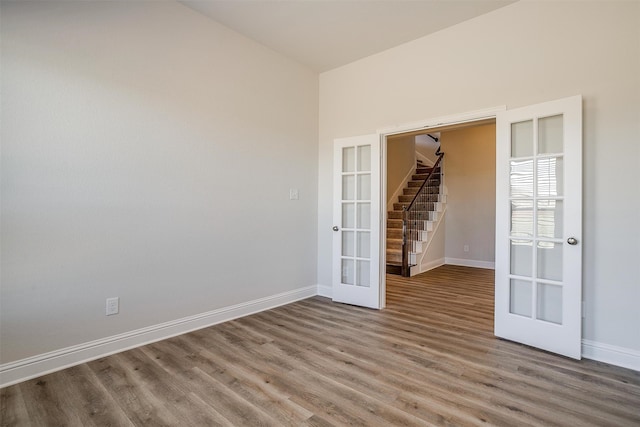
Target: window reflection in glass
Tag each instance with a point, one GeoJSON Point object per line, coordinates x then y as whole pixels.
{"type": "Point", "coordinates": [521, 178]}
{"type": "Point", "coordinates": [549, 218]}
{"type": "Point", "coordinates": [522, 218]}
{"type": "Point", "coordinates": [549, 182]}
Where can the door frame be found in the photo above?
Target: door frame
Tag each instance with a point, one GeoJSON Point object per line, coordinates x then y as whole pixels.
{"type": "Point", "coordinates": [453, 119]}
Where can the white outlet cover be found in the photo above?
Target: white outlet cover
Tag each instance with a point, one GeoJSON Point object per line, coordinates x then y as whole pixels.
{"type": "Point", "coordinates": [113, 306]}
{"type": "Point", "coordinates": [293, 194]}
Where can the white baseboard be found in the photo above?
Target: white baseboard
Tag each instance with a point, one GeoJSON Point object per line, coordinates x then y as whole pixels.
{"type": "Point", "coordinates": [32, 367]}
{"type": "Point", "coordinates": [611, 354]}
{"type": "Point", "coordinates": [325, 291]}
{"type": "Point", "coordinates": [432, 264]}
{"type": "Point", "coordinates": [470, 263]}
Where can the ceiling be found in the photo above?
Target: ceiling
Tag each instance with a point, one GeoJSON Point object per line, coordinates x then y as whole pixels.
{"type": "Point", "coordinates": [326, 34]}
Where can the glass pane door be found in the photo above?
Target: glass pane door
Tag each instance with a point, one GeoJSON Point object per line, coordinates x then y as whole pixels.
{"type": "Point", "coordinates": [355, 253]}
{"type": "Point", "coordinates": [356, 228]}
{"type": "Point", "coordinates": [538, 225]}
{"type": "Point", "coordinates": [536, 199]}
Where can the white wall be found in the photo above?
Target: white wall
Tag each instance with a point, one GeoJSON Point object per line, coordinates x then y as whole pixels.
{"type": "Point", "coordinates": [470, 177]}
{"type": "Point", "coordinates": [522, 54]}
{"type": "Point", "coordinates": [147, 153]}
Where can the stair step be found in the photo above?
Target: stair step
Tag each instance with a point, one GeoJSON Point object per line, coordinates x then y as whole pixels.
{"type": "Point", "coordinates": [406, 199]}
{"type": "Point", "coordinates": [394, 244]}
{"type": "Point", "coordinates": [394, 214]}
{"type": "Point", "coordinates": [424, 169]}
{"type": "Point", "coordinates": [419, 207]}
{"type": "Point", "coordinates": [421, 215]}
{"type": "Point", "coordinates": [394, 233]}
{"type": "Point", "coordinates": [414, 190]}
{"type": "Point", "coordinates": [422, 176]}
{"type": "Point", "coordinates": [394, 223]}
{"type": "Point", "coordinates": [394, 255]}
{"type": "Point", "coordinates": [420, 224]}
{"type": "Point", "coordinates": [394, 268]}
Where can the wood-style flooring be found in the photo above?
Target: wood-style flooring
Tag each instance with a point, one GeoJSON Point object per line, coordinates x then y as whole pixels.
{"type": "Point", "coordinates": [429, 358]}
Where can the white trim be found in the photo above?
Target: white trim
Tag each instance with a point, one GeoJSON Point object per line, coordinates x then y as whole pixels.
{"type": "Point", "coordinates": [32, 367]}
{"type": "Point", "coordinates": [611, 354]}
{"type": "Point", "coordinates": [470, 263]}
{"type": "Point", "coordinates": [398, 192]}
{"type": "Point", "coordinates": [325, 291]}
{"type": "Point", "coordinates": [453, 119]}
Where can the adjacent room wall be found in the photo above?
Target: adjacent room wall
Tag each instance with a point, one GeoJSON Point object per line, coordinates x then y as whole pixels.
{"type": "Point", "coordinates": [470, 177]}
{"type": "Point", "coordinates": [401, 159]}
{"type": "Point", "coordinates": [426, 146]}
{"type": "Point", "coordinates": [147, 154]}
{"type": "Point", "coordinates": [504, 58]}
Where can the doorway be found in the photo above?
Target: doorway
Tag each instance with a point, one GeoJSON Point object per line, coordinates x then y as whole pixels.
{"type": "Point", "coordinates": [462, 230]}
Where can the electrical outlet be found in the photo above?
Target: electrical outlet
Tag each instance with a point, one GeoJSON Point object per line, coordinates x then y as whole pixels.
{"type": "Point", "coordinates": [113, 306]}
{"type": "Point", "coordinates": [293, 194]}
{"type": "Point", "coordinates": [466, 248]}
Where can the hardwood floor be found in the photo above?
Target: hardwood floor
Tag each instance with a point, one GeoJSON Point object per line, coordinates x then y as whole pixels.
{"type": "Point", "coordinates": [429, 358]}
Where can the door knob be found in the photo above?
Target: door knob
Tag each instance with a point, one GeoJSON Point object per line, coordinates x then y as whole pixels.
{"type": "Point", "coordinates": [572, 241]}
{"type": "Point", "coordinates": [335, 228]}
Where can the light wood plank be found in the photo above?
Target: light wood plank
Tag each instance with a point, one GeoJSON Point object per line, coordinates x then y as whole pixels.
{"type": "Point", "coordinates": [429, 358]}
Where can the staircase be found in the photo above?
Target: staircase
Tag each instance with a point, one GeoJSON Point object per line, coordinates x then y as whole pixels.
{"type": "Point", "coordinates": [423, 218]}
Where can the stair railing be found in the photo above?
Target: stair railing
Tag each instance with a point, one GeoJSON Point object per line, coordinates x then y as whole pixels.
{"type": "Point", "coordinates": [415, 215]}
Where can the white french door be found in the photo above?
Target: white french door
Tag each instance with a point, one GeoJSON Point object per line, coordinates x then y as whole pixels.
{"type": "Point", "coordinates": [539, 226]}
{"type": "Point", "coordinates": [356, 215]}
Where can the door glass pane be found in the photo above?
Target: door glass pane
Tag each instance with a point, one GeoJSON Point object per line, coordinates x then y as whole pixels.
{"type": "Point", "coordinates": [364, 158]}
{"type": "Point", "coordinates": [549, 304]}
{"type": "Point", "coordinates": [348, 243]}
{"type": "Point", "coordinates": [522, 139]}
{"type": "Point", "coordinates": [348, 215]}
{"type": "Point", "coordinates": [348, 159]}
{"type": "Point", "coordinates": [348, 187]}
{"type": "Point", "coordinates": [550, 135]}
{"type": "Point", "coordinates": [520, 297]}
{"type": "Point", "coordinates": [550, 177]}
{"type": "Point", "coordinates": [348, 272]}
{"type": "Point", "coordinates": [364, 242]}
{"type": "Point", "coordinates": [364, 215]}
{"type": "Point", "coordinates": [521, 257]}
{"type": "Point", "coordinates": [364, 187]}
{"type": "Point", "coordinates": [363, 273]}
{"type": "Point", "coordinates": [549, 260]}
{"type": "Point", "coordinates": [522, 218]}
{"type": "Point", "coordinates": [550, 218]}
{"type": "Point", "coordinates": [521, 178]}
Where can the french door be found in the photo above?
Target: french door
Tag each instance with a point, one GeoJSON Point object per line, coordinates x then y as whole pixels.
{"type": "Point", "coordinates": [539, 226]}
{"type": "Point", "coordinates": [356, 226]}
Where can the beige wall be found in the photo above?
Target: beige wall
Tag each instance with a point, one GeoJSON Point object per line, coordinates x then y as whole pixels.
{"type": "Point", "coordinates": [147, 153]}
{"type": "Point", "coordinates": [505, 58]}
{"type": "Point", "coordinates": [401, 158]}
{"type": "Point", "coordinates": [470, 177]}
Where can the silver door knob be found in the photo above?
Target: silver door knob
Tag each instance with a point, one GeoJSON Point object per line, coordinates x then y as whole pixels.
{"type": "Point", "coordinates": [572, 241]}
{"type": "Point", "coordinates": [335, 228]}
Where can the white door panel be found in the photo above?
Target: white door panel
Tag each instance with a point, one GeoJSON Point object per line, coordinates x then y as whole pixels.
{"type": "Point", "coordinates": [356, 214]}
{"type": "Point", "coordinates": [539, 226]}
